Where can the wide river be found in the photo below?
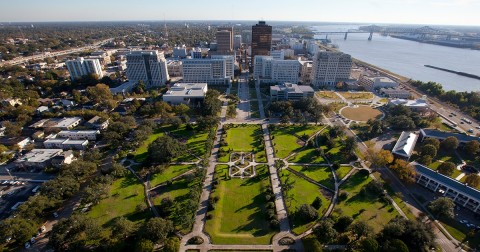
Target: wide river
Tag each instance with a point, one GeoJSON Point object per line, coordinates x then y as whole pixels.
{"type": "Point", "coordinates": [408, 58]}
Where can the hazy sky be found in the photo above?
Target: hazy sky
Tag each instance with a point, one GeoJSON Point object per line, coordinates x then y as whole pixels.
{"type": "Point", "coordinates": [455, 12]}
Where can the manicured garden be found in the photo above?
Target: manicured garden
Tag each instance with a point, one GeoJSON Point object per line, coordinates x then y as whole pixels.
{"type": "Point", "coordinates": [287, 139]}
{"type": "Point", "coordinates": [126, 197]}
{"type": "Point", "coordinates": [329, 95]}
{"type": "Point", "coordinates": [239, 215]}
{"type": "Point", "coordinates": [242, 138]}
{"type": "Point", "coordinates": [361, 113]}
{"type": "Point", "coordinates": [302, 192]}
{"type": "Point", "coordinates": [357, 95]}
{"type": "Point", "coordinates": [362, 204]}
{"type": "Point", "coordinates": [321, 174]}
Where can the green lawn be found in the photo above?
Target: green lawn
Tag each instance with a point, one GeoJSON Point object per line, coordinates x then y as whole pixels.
{"type": "Point", "coordinates": [365, 207]}
{"type": "Point", "coordinates": [321, 174]}
{"type": "Point", "coordinates": [342, 171]}
{"type": "Point", "coordinates": [307, 155]}
{"type": "Point", "coordinates": [459, 232]}
{"type": "Point", "coordinates": [125, 195]}
{"type": "Point", "coordinates": [169, 173]}
{"type": "Point", "coordinates": [246, 138]}
{"type": "Point", "coordinates": [141, 152]}
{"type": "Point", "coordinates": [436, 164]}
{"type": "Point", "coordinates": [178, 191]}
{"type": "Point", "coordinates": [303, 192]}
{"type": "Point", "coordinates": [239, 216]}
{"type": "Point", "coordinates": [286, 139]}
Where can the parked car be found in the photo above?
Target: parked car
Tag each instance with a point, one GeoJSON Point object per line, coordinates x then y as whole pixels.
{"type": "Point", "coordinates": [463, 221]}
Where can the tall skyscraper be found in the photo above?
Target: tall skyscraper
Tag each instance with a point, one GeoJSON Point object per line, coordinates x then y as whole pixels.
{"type": "Point", "coordinates": [330, 68]}
{"type": "Point", "coordinates": [261, 39]}
{"type": "Point", "coordinates": [225, 39]}
{"type": "Point", "coordinates": [81, 67]}
{"type": "Point", "coordinates": [148, 66]}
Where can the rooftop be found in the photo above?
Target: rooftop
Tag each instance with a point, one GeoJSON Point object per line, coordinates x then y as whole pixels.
{"type": "Point", "coordinates": [405, 144]}
{"type": "Point", "coordinates": [419, 103]}
{"type": "Point", "coordinates": [455, 184]}
{"type": "Point", "coordinates": [292, 88]}
{"type": "Point", "coordinates": [39, 155]}
{"type": "Point", "coordinates": [79, 132]}
{"type": "Point", "coordinates": [187, 89]}
{"type": "Point", "coordinates": [443, 134]}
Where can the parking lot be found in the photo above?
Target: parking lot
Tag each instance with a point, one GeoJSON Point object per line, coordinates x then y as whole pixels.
{"type": "Point", "coordinates": [13, 193]}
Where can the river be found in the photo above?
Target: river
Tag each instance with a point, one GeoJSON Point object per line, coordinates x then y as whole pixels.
{"type": "Point", "coordinates": [408, 58]}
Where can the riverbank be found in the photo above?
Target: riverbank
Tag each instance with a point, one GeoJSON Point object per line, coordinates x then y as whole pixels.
{"type": "Point", "coordinates": [473, 76]}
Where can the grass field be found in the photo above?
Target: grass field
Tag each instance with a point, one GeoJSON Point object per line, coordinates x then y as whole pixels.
{"type": "Point", "coordinates": [303, 192]}
{"type": "Point", "coordinates": [329, 95]}
{"type": "Point", "coordinates": [357, 95]}
{"type": "Point", "coordinates": [125, 195]}
{"type": "Point", "coordinates": [307, 155]}
{"type": "Point", "coordinates": [342, 171]}
{"type": "Point", "coordinates": [245, 138]}
{"type": "Point", "coordinates": [141, 152]}
{"type": "Point", "coordinates": [364, 207]}
{"type": "Point", "coordinates": [170, 172]}
{"type": "Point", "coordinates": [361, 113]}
{"type": "Point", "coordinates": [321, 174]}
{"type": "Point", "coordinates": [239, 216]}
{"type": "Point", "coordinates": [459, 232]}
{"type": "Point", "coordinates": [286, 139]}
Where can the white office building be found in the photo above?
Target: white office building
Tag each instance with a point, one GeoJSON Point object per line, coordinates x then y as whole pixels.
{"type": "Point", "coordinates": [186, 93]}
{"type": "Point", "coordinates": [180, 52]}
{"type": "Point", "coordinates": [290, 91]}
{"type": "Point", "coordinates": [211, 71]}
{"type": "Point", "coordinates": [147, 66]}
{"type": "Point", "coordinates": [371, 83]}
{"type": "Point", "coordinates": [81, 67]}
{"type": "Point", "coordinates": [278, 54]}
{"type": "Point", "coordinates": [229, 63]}
{"type": "Point", "coordinates": [405, 144]}
{"type": "Point", "coordinates": [330, 68]}
{"type": "Point", "coordinates": [269, 69]}
{"type": "Point", "coordinates": [65, 144]}
{"type": "Point", "coordinates": [79, 134]}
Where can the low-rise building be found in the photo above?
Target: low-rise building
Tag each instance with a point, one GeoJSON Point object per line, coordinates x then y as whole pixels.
{"type": "Point", "coordinates": [79, 134]}
{"type": "Point", "coordinates": [97, 122]}
{"type": "Point", "coordinates": [66, 157]}
{"type": "Point", "coordinates": [371, 83]}
{"type": "Point", "coordinates": [174, 68]}
{"type": "Point", "coordinates": [395, 93]}
{"type": "Point", "coordinates": [67, 123]}
{"type": "Point", "coordinates": [418, 105]}
{"type": "Point", "coordinates": [460, 193]}
{"type": "Point", "coordinates": [11, 102]}
{"type": "Point", "coordinates": [65, 144]}
{"type": "Point", "coordinates": [442, 135]}
{"type": "Point", "coordinates": [186, 93]}
{"type": "Point", "coordinates": [405, 144]}
{"type": "Point", "coordinates": [38, 158]}
{"type": "Point", "coordinates": [290, 91]}
{"type": "Point", "coordinates": [19, 142]}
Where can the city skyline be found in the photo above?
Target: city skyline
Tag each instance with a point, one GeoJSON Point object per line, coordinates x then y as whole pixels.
{"type": "Point", "coordinates": [440, 12]}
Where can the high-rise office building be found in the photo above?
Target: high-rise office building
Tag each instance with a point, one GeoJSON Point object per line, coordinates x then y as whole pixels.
{"type": "Point", "coordinates": [81, 67]}
{"type": "Point", "coordinates": [246, 36]}
{"type": "Point", "coordinates": [148, 66]}
{"type": "Point", "coordinates": [211, 71]}
{"type": "Point", "coordinates": [261, 39]}
{"type": "Point", "coordinates": [237, 42]}
{"type": "Point", "coordinates": [225, 39]}
{"type": "Point", "coordinates": [330, 68]}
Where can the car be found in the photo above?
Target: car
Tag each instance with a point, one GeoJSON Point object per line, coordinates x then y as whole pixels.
{"type": "Point", "coordinates": [55, 215]}
{"type": "Point", "coordinates": [470, 225]}
{"type": "Point", "coordinates": [463, 221]}
{"type": "Point", "coordinates": [32, 240]}
{"type": "Point", "coordinates": [478, 127]}
{"type": "Point", "coordinates": [470, 130]}
{"type": "Point", "coordinates": [27, 245]}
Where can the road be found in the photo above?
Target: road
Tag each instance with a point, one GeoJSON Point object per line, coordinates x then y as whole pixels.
{"type": "Point", "coordinates": [20, 60]}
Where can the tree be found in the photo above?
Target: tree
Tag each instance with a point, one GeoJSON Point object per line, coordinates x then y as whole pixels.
{"type": "Point", "coordinates": [99, 93]}
{"type": "Point", "coordinates": [144, 245]}
{"type": "Point", "coordinates": [472, 147]}
{"type": "Point", "coordinates": [428, 150]}
{"type": "Point", "coordinates": [447, 168]}
{"type": "Point", "coordinates": [18, 229]}
{"type": "Point", "coordinates": [211, 104]}
{"type": "Point", "coordinates": [207, 122]}
{"type": "Point", "coordinates": [157, 229]}
{"type": "Point", "coordinates": [360, 229]}
{"type": "Point", "coordinates": [350, 143]}
{"type": "Point", "coordinates": [171, 245]}
{"type": "Point", "coordinates": [325, 232]}
{"type": "Point", "coordinates": [123, 228]}
{"type": "Point", "coordinates": [442, 207]}
{"type": "Point", "coordinates": [425, 160]}
{"type": "Point", "coordinates": [343, 222]}
{"type": "Point", "coordinates": [74, 233]}
{"type": "Point", "coordinates": [432, 141]}
{"type": "Point", "coordinates": [181, 109]}
{"type": "Point", "coordinates": [472, 180]}
{"type": "Point", "coordinates": [416, 235]}
{"type": "Point", "coordinates": [450, 143]}
{"type": "Point", "coordinates": [369, 245]}
{"type": "Point", "coordinates": [404, 170]}
{"type": "Point", "coordinates": [401, 123]}
{"type": "Point", "coordinates": [164, 149]}
{"type": "Point", "coordinates": [379, 158]}
{"type": "Point", "coordinates": [395, 245]}
{"type": "Point", "coordinates": [307, 213]}
{"type": "Point", "coordinates": [317, 203]}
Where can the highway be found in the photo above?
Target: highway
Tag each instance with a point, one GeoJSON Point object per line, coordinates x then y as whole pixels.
{"type": "Point", "coordinates": [20, 60]}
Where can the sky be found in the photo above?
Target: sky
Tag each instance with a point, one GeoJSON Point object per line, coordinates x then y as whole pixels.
{"type": "Point", "coordinates": [444, 12]}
